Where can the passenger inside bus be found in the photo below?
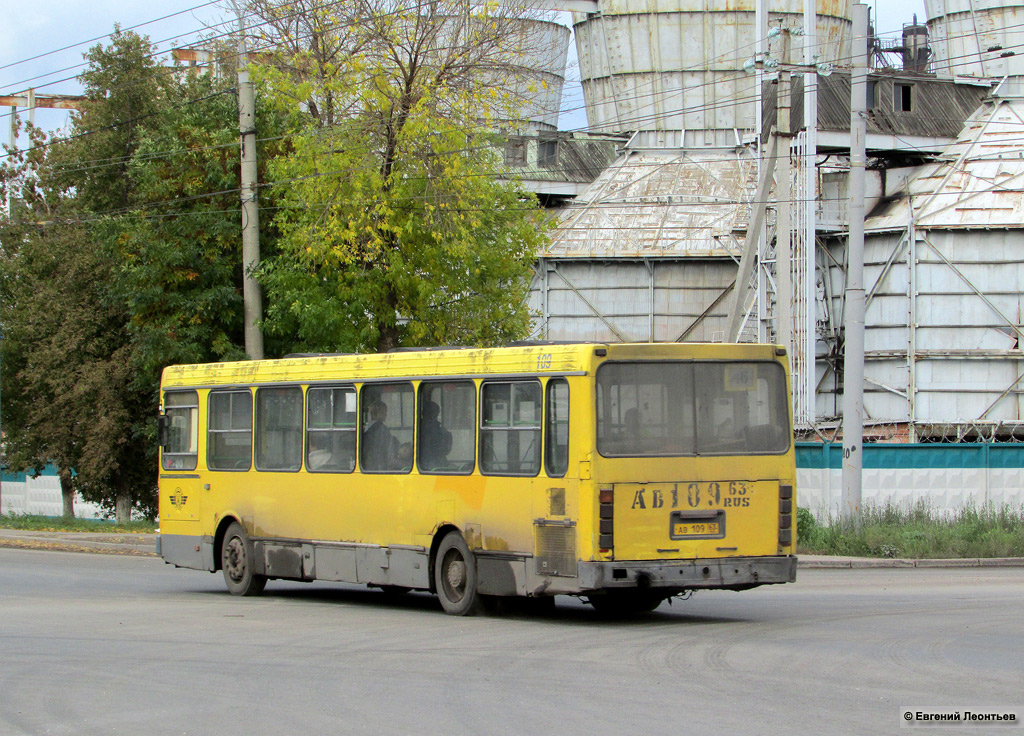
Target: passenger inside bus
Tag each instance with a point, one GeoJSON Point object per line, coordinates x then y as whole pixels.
{"type": "Point", "coordinates": [435, 440]}
{"type": "Point", "coordinates": [380, 448]}
{"type": "Point", "coordinates": [319, 453]}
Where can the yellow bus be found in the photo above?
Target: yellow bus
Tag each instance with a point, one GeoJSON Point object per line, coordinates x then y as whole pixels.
{"type": "Point", "coordinates": [621, 473]}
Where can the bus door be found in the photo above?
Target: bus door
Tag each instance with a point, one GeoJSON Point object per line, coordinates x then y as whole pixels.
{"type": "Point", "coordinates": [180, 487]}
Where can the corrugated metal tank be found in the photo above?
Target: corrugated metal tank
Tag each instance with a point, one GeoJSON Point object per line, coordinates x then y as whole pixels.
{"type": "Point", "coordinates": [536, 72]}
{"type": "Point", "coordinates": [981, 38]}
{"type": "Point", "coordinates": [677, 65]}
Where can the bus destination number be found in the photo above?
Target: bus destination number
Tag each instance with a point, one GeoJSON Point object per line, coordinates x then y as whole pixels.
{"type": "Point", "coordinates": [731, 494]}
{"type": "Point", "coordinates": [544, 362]}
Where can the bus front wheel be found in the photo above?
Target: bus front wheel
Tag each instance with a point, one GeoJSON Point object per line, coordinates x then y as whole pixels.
{"type": "Point", "coordinates": [455, 577]}
{"type": "Point", "coordinates": [236, 559]}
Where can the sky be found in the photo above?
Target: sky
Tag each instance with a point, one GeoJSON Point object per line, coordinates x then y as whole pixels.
{"type": "Point", "coordinates": [58, 32]}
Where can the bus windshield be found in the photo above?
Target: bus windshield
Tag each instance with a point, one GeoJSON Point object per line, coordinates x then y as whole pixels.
{"type": "Point", "coordinates": [694, 408]}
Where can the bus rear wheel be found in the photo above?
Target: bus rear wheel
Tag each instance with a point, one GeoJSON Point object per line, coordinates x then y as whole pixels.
{"type": "Point", "coordinates": [236, 559]}
{"type": "Point", "coordinates": [455, 577]}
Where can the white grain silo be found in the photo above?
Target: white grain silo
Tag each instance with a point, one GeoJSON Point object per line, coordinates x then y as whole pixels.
{"type": "Point", "coordinates": [979, 38]}
{"type": "Point", "coordinates": [677, 66]}
{"type": "Point", "coordinates": [534, 73]}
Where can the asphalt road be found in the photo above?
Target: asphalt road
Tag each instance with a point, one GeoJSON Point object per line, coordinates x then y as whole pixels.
{"type": "Point", "coordinates": [94, 644]}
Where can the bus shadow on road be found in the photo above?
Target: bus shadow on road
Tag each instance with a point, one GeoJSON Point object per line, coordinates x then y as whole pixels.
{"type": "Point", "coordinates": [565, 609]}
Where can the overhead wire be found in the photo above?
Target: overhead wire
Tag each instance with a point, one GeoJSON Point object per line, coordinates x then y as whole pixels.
{"type": "Point", "coordinates": [726, 102]}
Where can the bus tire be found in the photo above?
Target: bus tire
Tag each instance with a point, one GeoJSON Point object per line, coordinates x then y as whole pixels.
{"type": "Point", "coordinates": [455, 577]}
{"type": "Point", "coordinates": [237, 561]}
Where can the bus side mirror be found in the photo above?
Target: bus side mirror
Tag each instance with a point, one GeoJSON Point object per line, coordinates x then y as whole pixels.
{"type": "Point", "coordinates": [162, 433]}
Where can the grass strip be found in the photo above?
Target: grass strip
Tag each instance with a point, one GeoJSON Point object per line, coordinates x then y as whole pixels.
{"type": "Point", "coordinates": [918, 531]}
{"type": "Point", "coordinates": [36, 523]}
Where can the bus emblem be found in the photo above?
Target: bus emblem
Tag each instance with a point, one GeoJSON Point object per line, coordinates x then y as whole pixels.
{"type": "Point", "coordinates": [177, 498]}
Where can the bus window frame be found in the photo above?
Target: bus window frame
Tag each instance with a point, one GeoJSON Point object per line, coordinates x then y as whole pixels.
{"type": "Point", "coordinates": [363, 387]}
{"type": "Point", "coordinates": [257, 433]}
{"type": "Point", "coordinates": [554, 381]}
{"type": "Point", "coordinates": [476, 429]}
{"type": "Point", "coordinates": [539, 429]}
{"type": "Point", "coordinates": [210, 431]}
{"type": "Point", "coordinates": [696, 454]}
{"type": "Point", "coordinates": [306, 433]}
{"type": "Point", "coordinates": [193, 416]}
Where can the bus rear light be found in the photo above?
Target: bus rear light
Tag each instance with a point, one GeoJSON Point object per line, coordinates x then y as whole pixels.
{"type": "Point", "coordinates": [785, 505]}
{"type": "Point", "coordinates": [785, 521]}
{"type": "Point", "coordinates": [605, 495]}
{"type": "Point", "coordinates": [785, 537]}
{"type": "Point", "coordinates": [785, 490]}
{"type": "Point", "coordinates": [606, 527]}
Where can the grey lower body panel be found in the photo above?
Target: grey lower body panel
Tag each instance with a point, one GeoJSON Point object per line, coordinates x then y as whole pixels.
{"type": "Point", "coordinates": [499, 573]}
{"type": "Point", "coordinates": [736, 573]}
{"type": "Point", "coordinates": [186, 550]}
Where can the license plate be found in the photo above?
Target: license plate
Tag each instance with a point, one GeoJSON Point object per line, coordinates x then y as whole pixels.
{"type": "Point", "coordinates": [696, 529]}
{"type": "Point", "coordinates": [695, 524]}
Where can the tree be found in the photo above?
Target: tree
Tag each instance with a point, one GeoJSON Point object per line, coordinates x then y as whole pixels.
{"type": "Point", "coordinates": [394, 229]}
{"type": "Point", "coordinates": [71, 388]}
{"type": "Point", "coordinates": [66, 371]}
{"type": "Point", "coordinates": [126, 258]}
{"type": "Point", "coordinates": [180, 249]}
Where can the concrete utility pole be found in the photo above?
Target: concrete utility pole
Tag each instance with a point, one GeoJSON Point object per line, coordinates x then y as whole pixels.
{"type": "Point", "coordinates": [784, 195]}
{"type": "Point", "coordinates": [853, 357]}
{"type": "Point", "coordinates": [252, 294]}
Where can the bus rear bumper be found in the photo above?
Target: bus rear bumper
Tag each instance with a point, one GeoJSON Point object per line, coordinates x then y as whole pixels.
{"type": "Point", "coordinates": [729, 573]}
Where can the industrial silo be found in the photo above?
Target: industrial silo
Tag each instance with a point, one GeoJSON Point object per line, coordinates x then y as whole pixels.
{"type": "Point", "coordinates": [534, 73]}
{"type": "Point", "coordinates": [678, 66]}
{"type": "Point", "coordinates": [980, 38]}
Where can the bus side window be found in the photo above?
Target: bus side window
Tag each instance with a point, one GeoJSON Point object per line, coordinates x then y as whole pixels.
{"type": "Point", "coordinates": [446, 439]}
{"type": "Point", "coordinates": [182, 449]}
{"type": "Point", "coordinates": [556, 413]}
{"type": "Point", "coordinates": [279, 428]}
{"type": "Point", "coordinates": [331, 420]}
{"type": "Point", "coordinates": [388, 423]}
{"type": "Point", "coordinates": [510, 428]}
{"type": "Point", "coordinates": [229, 436]}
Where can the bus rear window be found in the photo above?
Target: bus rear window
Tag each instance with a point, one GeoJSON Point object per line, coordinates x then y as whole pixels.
{"type": "Point", "coordinates": [711, 408]}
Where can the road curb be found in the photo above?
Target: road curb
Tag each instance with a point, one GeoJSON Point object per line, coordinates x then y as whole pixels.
{"type": "Point", "coordinates": [143, 545]}
{"type": "Point", "coordinates": [822, 562]}
{"type": "Point", "coordinates": [139, 545]}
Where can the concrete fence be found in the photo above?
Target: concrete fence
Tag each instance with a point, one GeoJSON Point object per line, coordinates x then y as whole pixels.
{"type": "Point", "coordinates": [946, 476]}
{"type": "Point", "coordinates": [20, 493]}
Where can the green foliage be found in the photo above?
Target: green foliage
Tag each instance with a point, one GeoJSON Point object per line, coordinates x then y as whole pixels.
{"type": "Point", "coordinates": [394, 230]}
{"type": "Point", "coordinates": [917, 532]}
{"type": "Point", "coordinates": [119, 262]}
{"type": "Point", "coordinates": [180, 250]}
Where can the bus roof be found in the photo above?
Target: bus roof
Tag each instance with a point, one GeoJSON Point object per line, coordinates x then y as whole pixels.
{"type": "Point", "coordinates": [539, 359]}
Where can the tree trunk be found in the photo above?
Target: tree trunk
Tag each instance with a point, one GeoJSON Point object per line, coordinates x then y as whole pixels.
{"type": "Point", "coordinates": [123, 507]}
{"type": "Point", "coordinates": [387, 331]}
{"type": "Point", "coordinates": [67, 492]}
